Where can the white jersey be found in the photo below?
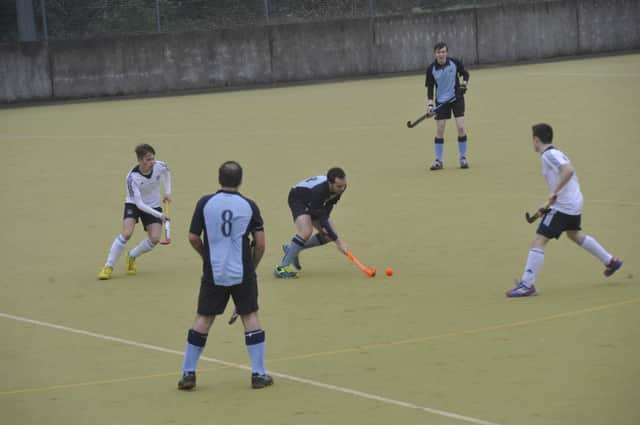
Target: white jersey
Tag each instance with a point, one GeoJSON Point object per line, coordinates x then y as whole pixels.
{"type": "Point", "coordinates": [144, 191]}
{"type": "Point", "coordinates": [569, 199]}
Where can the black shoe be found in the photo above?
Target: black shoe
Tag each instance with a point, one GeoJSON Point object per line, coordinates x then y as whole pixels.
{"type": "Point", "coordinates": [437, 165]}
{"type": "Point", "coordinates": [260, 381]}
{"type": "Point", "coordinates": [187, 382]}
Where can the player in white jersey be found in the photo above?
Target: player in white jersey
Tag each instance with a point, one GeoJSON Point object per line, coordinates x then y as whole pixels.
{"type": "Point", "coordinates": [564, 214]}
{"type": "Point", "coordinates": [143, 202]}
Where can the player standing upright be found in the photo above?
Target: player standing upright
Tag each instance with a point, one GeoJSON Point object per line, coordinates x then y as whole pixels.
{"type": "Point", "coordinates": [220, 228]}
{"type": "Point", "coordinates": [142, 202]}
{"type": "Point", "coordinates": [311, 202]}
{"type": "Point", "coordinates": [564, 215]}
{"type": "Point", "coordinates": [443, 75]}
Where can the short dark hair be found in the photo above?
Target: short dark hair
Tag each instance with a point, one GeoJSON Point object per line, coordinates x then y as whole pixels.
{"type": "Point", "coordinates": [440, 45]}
{"type": "Point", "coordinates": [544, 132]}
{"type": "Point", "coordinates": [142, 149]}
{"type": "Point", "coordinates": [230, 174]}
{"type": "Point", "coordinates": [335, 173]}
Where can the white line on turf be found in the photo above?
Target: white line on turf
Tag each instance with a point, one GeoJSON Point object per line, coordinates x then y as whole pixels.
{"type": "Point", "coordinates": [583, 74]}
{"type": "Point", "coordinates": [239, 366]}
{"type": "Point", "coordinates": [219, 132]}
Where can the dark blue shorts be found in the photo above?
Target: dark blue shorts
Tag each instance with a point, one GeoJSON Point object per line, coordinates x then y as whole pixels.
{"type": "Point", "coordinates": [297, 206]}
{"type": "Point", "coordinates": [457, 107]}
{"type": "Point", "coordinates": [213, 299]}
{"type": "Point", "coordinates": [132, 211]}
{"type": "Point", "coordinates": [554, 223]}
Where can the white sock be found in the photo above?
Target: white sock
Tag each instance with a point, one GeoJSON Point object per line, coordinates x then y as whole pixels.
{"type": "Point", "coordinates": [535, 259]}
{"type": "Point", "coordinates": [115, 252]}
{"type": "Point", "coordinates": [592, 245]}
{"type": "Point", "coordinates": [143, 246]}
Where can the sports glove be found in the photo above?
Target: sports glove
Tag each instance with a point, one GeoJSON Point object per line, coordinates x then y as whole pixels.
{"type": "Point", "coordinates": [462, 89]}
{"type": "Point", "coordinates": [328, 230]}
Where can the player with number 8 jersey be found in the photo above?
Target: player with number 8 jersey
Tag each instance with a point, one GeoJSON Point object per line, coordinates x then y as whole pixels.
{"type": "Point", "coordinates": [226, 219]}
{"type": "Point", "coordinates": [220, 229]}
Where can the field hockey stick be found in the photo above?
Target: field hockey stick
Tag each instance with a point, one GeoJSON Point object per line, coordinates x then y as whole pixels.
{"type": "Point", "coordinates": [167, 226]}
{"type": "Point", "coordinates": [233, 317]}
{"type": "Point", "coordinates": [371, 272]}
{"type": "Point", "coordinates": [539, 212]}
{"type": "Point", "coordinates": [429, 114]}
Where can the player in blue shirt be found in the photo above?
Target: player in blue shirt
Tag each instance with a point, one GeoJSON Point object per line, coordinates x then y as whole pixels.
{"type": "Point", "coordinates": [443, 75]}
{"type": "Point", "coordinates": [220, 228]}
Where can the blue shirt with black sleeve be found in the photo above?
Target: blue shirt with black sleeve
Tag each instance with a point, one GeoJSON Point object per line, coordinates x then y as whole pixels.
{"type": "Point", "coordinates": [226, 219]}
{"type": "Point", "coordinates": [314, 192]}
{"type": "Point", "coordinates": [445, 79]}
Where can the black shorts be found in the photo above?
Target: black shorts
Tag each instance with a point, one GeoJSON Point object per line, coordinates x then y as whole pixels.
{"type": "Point", "coordinates": [213, 298]}
{"type": "Point", "coordinates": [554, 223]}
{"type": "Point", "coordinates": [457, 107]}
{"type": "Point", "coordinates": [297, 206]}
{"type": "Point", "coordinates": [132, 211]}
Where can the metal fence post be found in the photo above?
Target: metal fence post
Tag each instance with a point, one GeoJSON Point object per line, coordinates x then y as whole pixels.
{"type": "Point", "coordinates": [158, 29]}
{"type": "Point", "coordinates": [26, 21]}
{"type": "Point", "coordinates": [43, 12]}
{"type": "Point", "coordinates": [266, 9]}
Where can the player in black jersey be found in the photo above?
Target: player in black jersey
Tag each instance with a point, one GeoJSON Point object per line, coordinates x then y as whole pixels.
{"type": "Point", "coordinates": [311, 202]}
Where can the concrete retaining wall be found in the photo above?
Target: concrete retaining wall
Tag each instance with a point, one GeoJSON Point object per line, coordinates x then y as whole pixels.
{"type": "Point", "coordinates": [24, 72]}
{"type": "Point", "coordinates": [320, 50]}
{"type": "Point", "coordinates": [608, 25]}
{"type": "Point", "coordinates": [406, 44]}
{"type": "Point", "coordinates": [534, 31]}
{"type": "Point", "coordinates": [161, 63]}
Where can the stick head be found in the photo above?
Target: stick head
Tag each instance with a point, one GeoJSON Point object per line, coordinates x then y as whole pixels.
{"type": "Point", "coordinates": [371, 272]}
{"type": "Point", "coordinates": [530, 218]}
{"type": "Point", "coordinates": [165, 241]}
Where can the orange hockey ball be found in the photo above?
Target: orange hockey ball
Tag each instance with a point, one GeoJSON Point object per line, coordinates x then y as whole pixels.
{"type": "Point", "coordinates": [389, 271]}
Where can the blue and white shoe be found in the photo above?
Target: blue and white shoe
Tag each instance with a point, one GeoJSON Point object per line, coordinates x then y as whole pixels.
{"type": "Point", "coordinates": [296, 261]}
{"type": "Point", "coordinates": [521, 291]}
{"type": "Point", "coordinates": [613, 266]}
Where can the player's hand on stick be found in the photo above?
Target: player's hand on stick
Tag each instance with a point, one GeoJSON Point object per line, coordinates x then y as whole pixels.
{"type": "Point", "coordinates": [540, 212]}
{"type": "Point", "coordinates": [430, 109]}
{"type": "Point", "coordinates": [543, 210]}
{"type": "Point", "coordinates": [547, 206]}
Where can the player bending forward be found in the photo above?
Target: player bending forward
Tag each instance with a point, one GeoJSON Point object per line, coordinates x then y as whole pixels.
{"type": "Point", "coordinates": [142, 203]}
{"type": "Point", "coordinates": [563, 216]}
{"type": "Point", "coordinates": [311, 202]}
